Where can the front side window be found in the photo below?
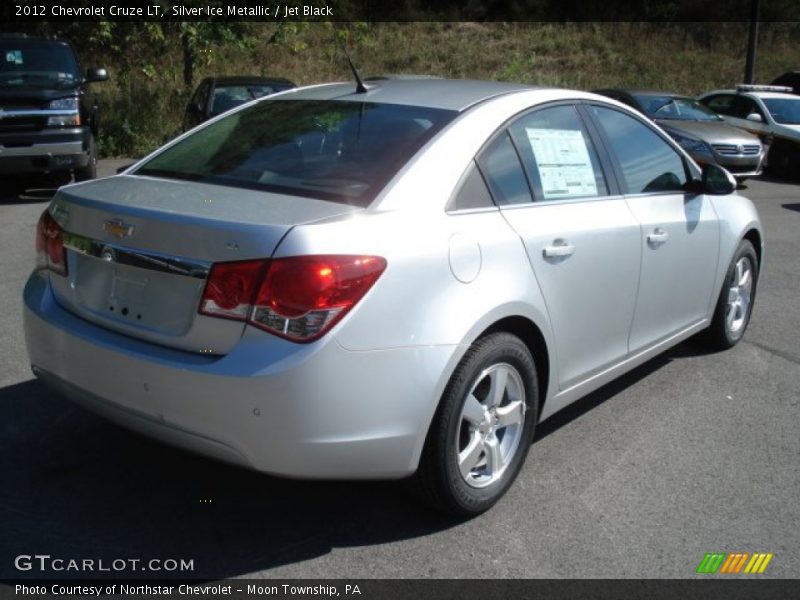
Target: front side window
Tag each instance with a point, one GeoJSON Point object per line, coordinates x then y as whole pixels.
{"type": "Point", "coordinates": [785, 111]}
{"type": "Point", "coordinates": [649, 164]}
{"type": "Point", "coordinates": [558, 154]}
{"type": "Point", "coordinates": [746, 106]}
{"type": "Point", "coordinates": [332, 150]}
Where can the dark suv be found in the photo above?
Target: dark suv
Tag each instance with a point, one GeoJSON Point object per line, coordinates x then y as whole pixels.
{"type": "Point", "coordinates": [46, 122]}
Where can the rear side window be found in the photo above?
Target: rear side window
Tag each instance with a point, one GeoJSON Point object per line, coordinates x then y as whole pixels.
{"type": "Point", "coordinates": [558, 155]}
{"type": "Point", "coordinates": [332, 150]}
{"type": "Point", "coordinates": [472, 193]}
{"type": "Point", "coordinates": [649, 164]}
{"type": "Point", "coordinates": [500, 166]}
{"type": "Point", "coordinates": [722, 104]}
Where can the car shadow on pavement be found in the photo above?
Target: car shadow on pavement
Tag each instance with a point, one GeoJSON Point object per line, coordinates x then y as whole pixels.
{"type": "Point", "coordinates": [792, 206]}
{"type": "Point", "coordinates": [30, 191]}
{"type": "Point", "coordinates": [77, 486]}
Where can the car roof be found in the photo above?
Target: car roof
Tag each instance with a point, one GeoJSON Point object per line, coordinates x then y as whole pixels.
{"type": "Point", "coordinates": [639, 92]}
{"type": "Point", "coordinates": [250, 79]}
{"type": "Point", "coordinates": [449, 94]}
{"type": "Point", "coordinates": [753, 93]}
{"type": "Point", "coordinates": [24, 39]}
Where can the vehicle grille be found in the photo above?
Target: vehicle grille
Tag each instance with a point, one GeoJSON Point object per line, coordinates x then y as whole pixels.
{"type": "Point", "coordinates": [734, 150]}
{"type": "Point", "coordinates": [15, 125]}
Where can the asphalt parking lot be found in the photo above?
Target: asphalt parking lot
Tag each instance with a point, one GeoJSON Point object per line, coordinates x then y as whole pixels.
{"type": "Point", "coordinates": [691, 453]}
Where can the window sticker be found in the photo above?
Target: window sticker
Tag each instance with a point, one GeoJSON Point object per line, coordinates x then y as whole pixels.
{"type": "Point", "coordinates": [14, 57]}
{"type": "Point", "coordinates": [563, 162]}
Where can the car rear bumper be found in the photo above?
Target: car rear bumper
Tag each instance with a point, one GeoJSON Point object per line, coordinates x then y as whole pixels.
{"type": "Point", "coordinates": [308, 411]}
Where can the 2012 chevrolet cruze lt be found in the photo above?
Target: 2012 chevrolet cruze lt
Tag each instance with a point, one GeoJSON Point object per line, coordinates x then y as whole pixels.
{"type": "Point", "coordinates": [393, 281]}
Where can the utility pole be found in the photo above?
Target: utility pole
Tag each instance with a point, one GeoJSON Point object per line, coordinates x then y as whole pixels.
{"type": "Point", "coordinates": [752, 42]}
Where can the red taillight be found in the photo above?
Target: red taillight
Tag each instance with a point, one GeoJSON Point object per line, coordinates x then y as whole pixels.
{"type": "Point", "coordinates": [299, 298]}
{"type": "Point", "coordinates": [50, 253]}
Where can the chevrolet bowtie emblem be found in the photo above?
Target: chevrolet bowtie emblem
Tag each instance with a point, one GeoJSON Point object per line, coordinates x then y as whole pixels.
{"type": "Point", "coordinates": [118, 228]}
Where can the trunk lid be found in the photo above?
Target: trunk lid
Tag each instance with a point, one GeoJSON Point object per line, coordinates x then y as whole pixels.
{"type": "Point", "coordinates": [139, 250]}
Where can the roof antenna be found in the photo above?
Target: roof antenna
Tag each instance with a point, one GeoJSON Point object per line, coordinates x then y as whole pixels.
{"type": "Point", "coordinates": [360, 87]}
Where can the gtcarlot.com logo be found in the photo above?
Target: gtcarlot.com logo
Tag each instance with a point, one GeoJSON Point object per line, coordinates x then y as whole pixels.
{"type": "Point", "coordinates": [734, 563]}
{"type": "Point", "coordinates": [46, 563]}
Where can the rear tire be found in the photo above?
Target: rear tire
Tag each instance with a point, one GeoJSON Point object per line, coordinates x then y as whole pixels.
{"type": "Point", "coordinates": [483, 428]}
{"type": "Point", "coordinates": [735, 302]}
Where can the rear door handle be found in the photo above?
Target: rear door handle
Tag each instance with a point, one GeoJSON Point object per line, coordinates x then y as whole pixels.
{"type": "Point", "coordinates": [657, 236]}
{"type": "Point", "coordinates": [560, 247]}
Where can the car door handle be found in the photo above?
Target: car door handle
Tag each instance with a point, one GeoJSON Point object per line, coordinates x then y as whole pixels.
{"type": "Point", "coordinates": [559, 248]}
{"type": "Point", "coordinates": [657, 236]}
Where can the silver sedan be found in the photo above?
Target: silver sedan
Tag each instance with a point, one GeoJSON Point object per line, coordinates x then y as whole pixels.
{"type": "Point", "coordinates": [395, 281]}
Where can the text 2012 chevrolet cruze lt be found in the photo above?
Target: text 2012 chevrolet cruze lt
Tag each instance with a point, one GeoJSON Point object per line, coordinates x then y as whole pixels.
{"type": "Point", "coordinates": [403, 280]}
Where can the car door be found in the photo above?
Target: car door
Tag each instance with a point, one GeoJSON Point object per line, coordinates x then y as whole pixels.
{"type": "Point", "coordinates": [734, 108]}
{"type": "Point", "coordinates": [581, 238]}
{"type": "Point", "coordinates": [680, 229]}
{"type": "Point", "coordinates": [196, 109]}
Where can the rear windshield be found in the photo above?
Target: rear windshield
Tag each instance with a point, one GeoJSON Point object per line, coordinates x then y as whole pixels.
{"type": "Point", "coordinates": [332, 150]}
{"type": "Point", "coordinates": [676, 108]}
{"type": "Point", "coordinates": [37, 64]}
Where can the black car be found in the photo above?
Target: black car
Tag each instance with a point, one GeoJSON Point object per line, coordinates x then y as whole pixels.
{"type": "Point", "coordinates": [789, 79]}
{"type": "Point", "coordinates": [46, 121]}
{"type": "Point", "coordinates": [216, 95]}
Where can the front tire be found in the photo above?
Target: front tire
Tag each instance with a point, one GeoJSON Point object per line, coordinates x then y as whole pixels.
{"type": "Point", "coordinates": [735, 302]}
{"type": "Point", "coordinates": [782, 158]}
{"type": "Point", "coordinates": [483, 429]}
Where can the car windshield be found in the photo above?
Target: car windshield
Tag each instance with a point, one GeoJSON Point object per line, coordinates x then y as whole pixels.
{"type": "Point", "coordinates": [332, 150]}
{"type": "Point", "coordinates": [785, 111]}
{"type": "Point", "coordinates": [37, 64]}
{"type": "Point", "coordinates": [227, 97]}
{"type": "Point", "coordinates": [675, 108]}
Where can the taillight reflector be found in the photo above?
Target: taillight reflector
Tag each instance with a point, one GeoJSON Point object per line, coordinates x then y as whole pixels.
{"type": "Point", "coordinates": [50, 252]}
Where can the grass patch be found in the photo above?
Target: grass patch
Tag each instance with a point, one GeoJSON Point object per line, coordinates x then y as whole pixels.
{"type": "Point", "coordinates": [144, 107]}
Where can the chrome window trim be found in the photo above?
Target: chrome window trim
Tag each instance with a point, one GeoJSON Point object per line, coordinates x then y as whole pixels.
{"type": "Point", "coordinates": [152, 261]}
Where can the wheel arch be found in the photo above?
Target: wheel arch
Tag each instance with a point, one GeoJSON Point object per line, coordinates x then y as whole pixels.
{"type": "Point", "coordinates": [754, 237]}
{"type": "Point", "coordinates": [525, 328]}
{"type": "Point", "coordinates": [534, 339]}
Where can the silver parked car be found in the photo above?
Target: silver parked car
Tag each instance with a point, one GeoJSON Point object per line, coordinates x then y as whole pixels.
{"type": "Point", "coordinates": [701, 132]}
{"type": "Point", "coordinates": [769, 111]}
{"type": "Point", "coordinates": [402, 281]}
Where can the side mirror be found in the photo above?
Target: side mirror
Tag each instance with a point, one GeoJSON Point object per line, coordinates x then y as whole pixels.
{"type": "Point", "coordinates": [96, 75]}
{"type": "Point", "coordinates": [717, 181]}
{"type": "Point", "coordinates": [754, 117]}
